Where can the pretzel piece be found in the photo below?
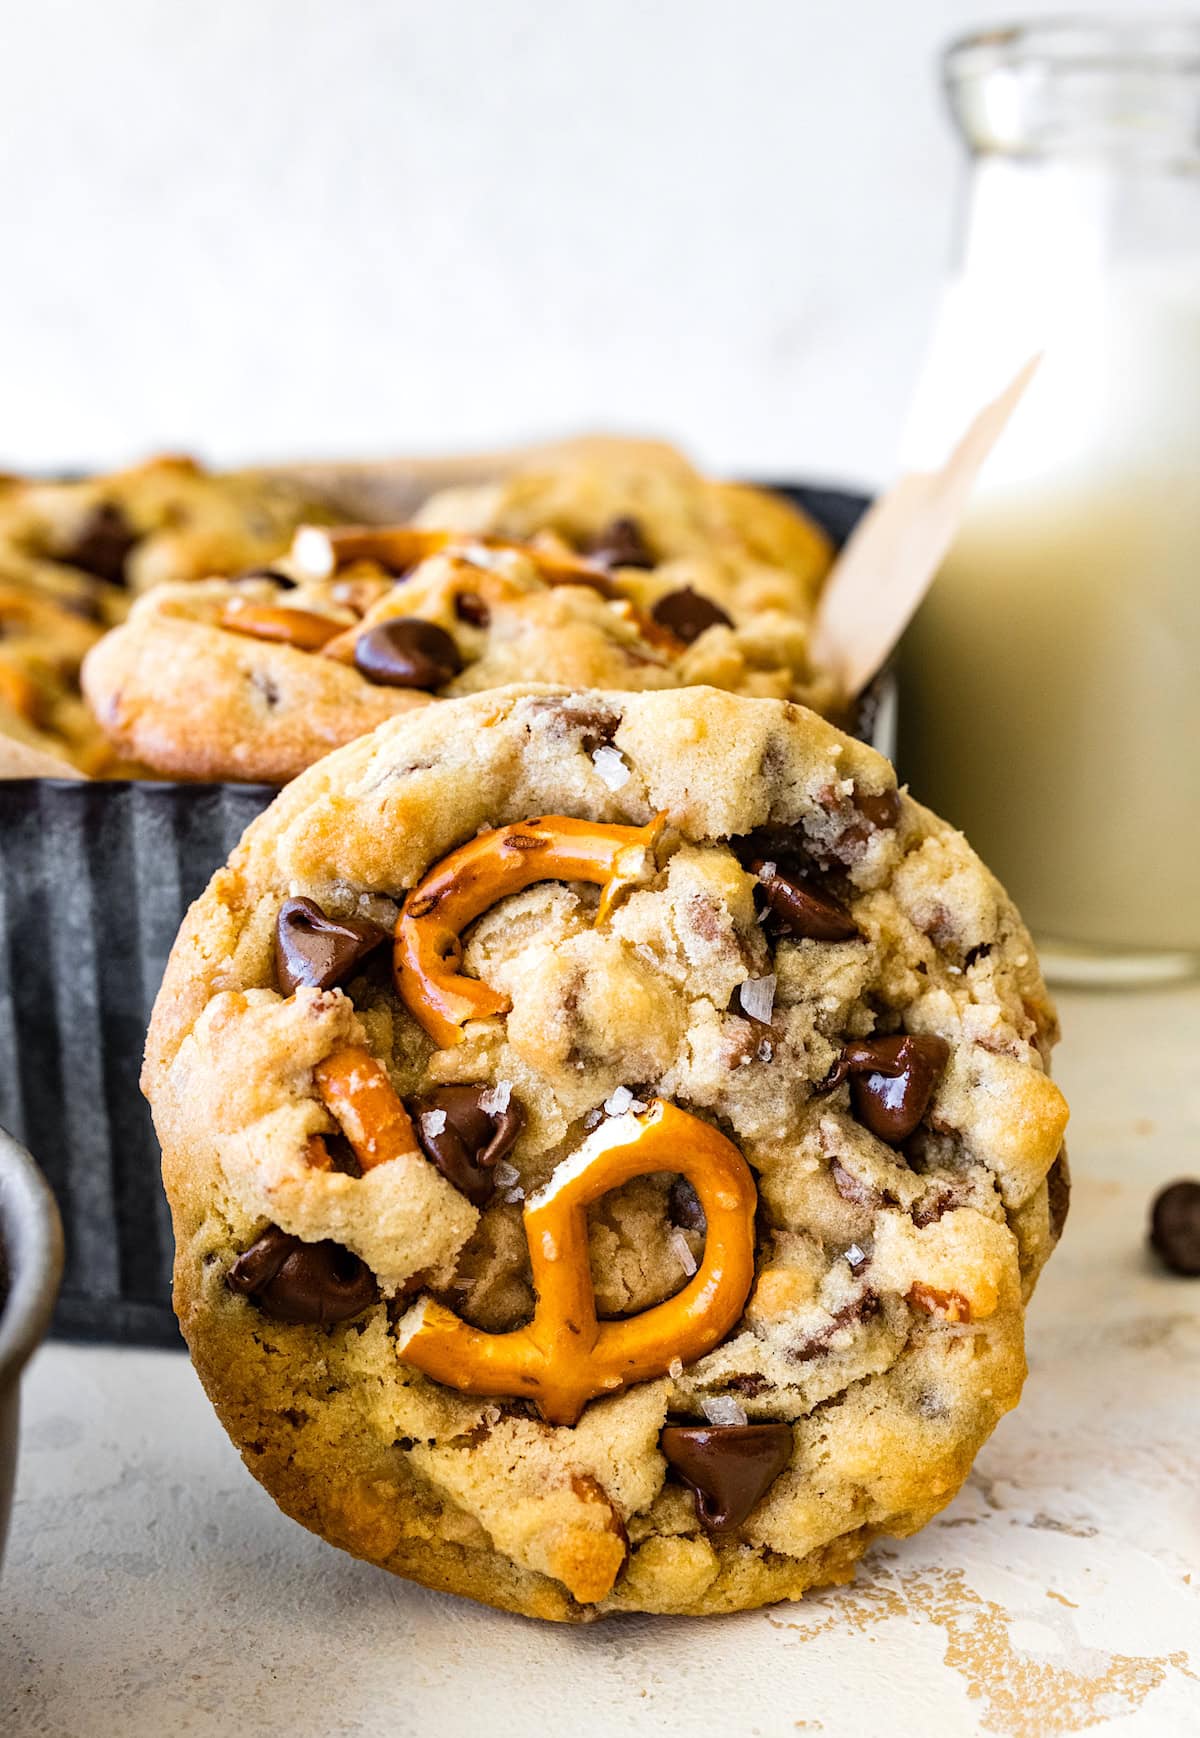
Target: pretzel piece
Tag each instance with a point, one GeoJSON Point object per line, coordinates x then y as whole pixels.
{"type": "Point", "coordinates": [319, 551]}
{"type": "Point", "coordinates": [357, 1092]}
{"type": "Point", "coordinates": [428, 949]}
{"type": "Point", "coordinates": [304, 629]}
{"type": "Point", "coordinates": [565, 1356]}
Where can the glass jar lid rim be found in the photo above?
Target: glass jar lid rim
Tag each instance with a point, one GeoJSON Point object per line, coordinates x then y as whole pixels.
{"type": "Point", "coordinates": [1121, 41]}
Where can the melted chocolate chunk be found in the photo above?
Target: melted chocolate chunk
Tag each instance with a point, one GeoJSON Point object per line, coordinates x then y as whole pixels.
{"type": "Point", "coordinates": [320, 951]}
{"type": "Point", "coordinates": [471, 1141]}
{"type": "Point", "coordinates": [1175, 1227]}
{"type": "Point", "coordinates": [407, 652]}
{"type": "Point", "coordinates": [891, 1081]}
{"type": "Point", "coordinates": [293, 1281]}
{"type": "Point", "coordinates": [104, 540]}
{"type": "Point", "coordinates": [620, 544]}
{"type": "Point", "coordinates": [860, 815]}
{"type": "Point", "coordinates": [882, 811]}
{"type": "Point", "coordinates": [795, 910]}
{"type": "Point", "coordinates": [729, 1467]}
{"type": "Point", "coordinates": [687, 614]}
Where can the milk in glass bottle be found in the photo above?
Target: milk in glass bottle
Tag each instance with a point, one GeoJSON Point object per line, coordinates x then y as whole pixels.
{"type": "Point", "coordinates": [1051, 680]}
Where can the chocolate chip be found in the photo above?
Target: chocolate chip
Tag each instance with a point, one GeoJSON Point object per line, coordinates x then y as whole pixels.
{"type": "Point", "coordinates": [858, 817]}
{"type": "Point", "coordinates": [683, 1205]}
{"type": "Point", "coordinates": [852, 1188]}
{"type": "Point", "coordinates": [1175, 1227]}
{"type": "Point", "coordinates": [620, 544]}
{"type": "Point", "coordinates": [102, 544]}
{"type": "Point", "coordinates": [891, 1081]}
{"type": "Point", "coordinates": [407, 652]}
{"type": "Point", "coordinates": [471, 1141]}
{"type": "Point", "coordinates": [469, 607]}
{"type": "Point", "coordinates": [797, 911]}
{"type": "Point", "coordinates": [861, 1309]}
{"type": "Point", "coordinates": [294, 1281]}
{"type": "Point", "coordinates": [319, 951]}
{"type": "Point", "coordinates": [1058, 1194]}
{"type": "Point", "coordinates": [687, 614]}
{"type": "Point", "coordinates": [729, 1467]}
{"type": "Point", "coordinates": [882, 811]}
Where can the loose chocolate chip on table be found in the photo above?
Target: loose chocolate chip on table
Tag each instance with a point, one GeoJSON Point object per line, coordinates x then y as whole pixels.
{"type": "Point", "coordinates": [728, 1466]}
{"type": "Point", "coordinates": [620, 544]}
{"type": "Point", "coordinates": [797, 911]}
{"type": "Point", "coordinates": [687, 614]}
{"type": "Point", "coordinates": [319, 951]}
{"type": "Point", "coordinates": [104, 540]}
{"type": "Point", "coordinates": [295, 1281]}
{"type": "Point", "coordinates": [464, 1140]}
{"type": "Point", "coordinates": [891, 1081]}
{"type": "Point", "coordinates": [1175, 1227]}
{"type": "Point", "coordinates": [407, 652]}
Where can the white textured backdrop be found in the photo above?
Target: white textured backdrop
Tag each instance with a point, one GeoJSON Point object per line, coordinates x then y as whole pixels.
{"type": "Point", "coordinates": [266, 227]}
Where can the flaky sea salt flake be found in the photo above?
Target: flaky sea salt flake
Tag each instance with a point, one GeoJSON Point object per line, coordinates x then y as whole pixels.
{"type": "Point", "coordinates": [495, 1101]}
{"type": "Point", "coordinates": [610, 763]}
{"type": "Point", "coordinates": [683, 1252]}
{"type": "Point", "coordinates": [433, 1123]}
{"type": "Point", "coordinates": [618, 1101]}
{"type": "Point", "coordinates": [722, 1409]}
{"type": "Point", "coordinates": [757, 997]}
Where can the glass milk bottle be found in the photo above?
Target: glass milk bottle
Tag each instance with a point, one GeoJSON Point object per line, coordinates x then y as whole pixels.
{"type": "Point", "coordinates": [1051, 681]}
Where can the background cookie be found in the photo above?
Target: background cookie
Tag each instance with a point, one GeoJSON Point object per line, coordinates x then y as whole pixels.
{"type": "Point", "coordinates": [202, 681]}
{"type": "Point", "coordinates": [745, 548]}
{"type": "Point", "coordinates": [167, 519]}
{"type": "Point", "coordinates": [799, 959]}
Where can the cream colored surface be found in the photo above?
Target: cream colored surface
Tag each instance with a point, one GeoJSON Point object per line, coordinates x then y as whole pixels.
{"type": "Point", "coordinates": [151, 1587]}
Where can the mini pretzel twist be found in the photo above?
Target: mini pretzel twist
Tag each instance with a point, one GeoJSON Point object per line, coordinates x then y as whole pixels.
{"type": "Point", "coordinates": [428, 949]}
{"type": "Point", "coordinates": [355, 1089]}
{"type": "Point", "coordinates": [564, 1357]}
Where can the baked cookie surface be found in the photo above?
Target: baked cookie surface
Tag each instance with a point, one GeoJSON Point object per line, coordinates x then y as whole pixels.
{"type": "Point", "coordinates": [256, 679]}
{"type": "Point", "coordinates": [166, 519]}
{"type": "Point", "coordinates": [74, 554]}
{"type": "Point", "coordinates": [648, 1225]}
{"type": "Point", "coordinates": [48, 623]}
{"type": "Point", "coordinates": [747, 549]}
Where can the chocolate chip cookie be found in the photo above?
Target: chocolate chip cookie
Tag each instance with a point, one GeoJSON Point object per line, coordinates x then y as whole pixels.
{"type": "Point", "coordinates": [47, 625]}
{"type": "Point", "coordinates": [167, 519]}
{"type": "Point", "coordinates": [666, 527]}
{"type": "Point", "coordinates": [256, 679]}
{"type": "Point", "coordinates": [610, 1146]}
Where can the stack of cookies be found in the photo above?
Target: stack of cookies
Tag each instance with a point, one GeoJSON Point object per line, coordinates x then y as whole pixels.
{"type": "Point", "coordinates": [607, 1122]}
{"type": "Point", "coordinates": [73, 556]}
